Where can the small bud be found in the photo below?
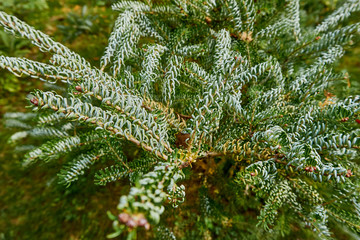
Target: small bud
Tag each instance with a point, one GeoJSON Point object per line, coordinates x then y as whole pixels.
{"type": "Point", "coordinates": [314, 168]}
{"type": "Point", "coordinates": [286, 125]}
{"type": "Point", "coordinates": [317, 38]}
{"type": "Point", "coordinates": [184, 165]}
{"type": "Point", "coordinates": [347, 175]}
{"type": "Point", "coordinates": [142, 222]}
{"type": "Point", "coordinates": [307, 169]}
{"type": "Point", "coordinates": [124, 217]}
{"type": "Point", "coordinates": [357, 120]}
{"type": "Point", "coordinates": [208, 20]}
{"type": "Point", "coordinates": [252, 174]}
{"type": "Point", "coordinates": [345, 119]}
{"type": "Point", "coordinates": [311, 169]}
{"type": "Point", "coordinates": [131, 223]}
{"type": "Point", "coordinates": [147, 226]}
{"type": "Point", "coordinates": [78, 88]}
{"type": "Point", "coordinates": [34, 101]}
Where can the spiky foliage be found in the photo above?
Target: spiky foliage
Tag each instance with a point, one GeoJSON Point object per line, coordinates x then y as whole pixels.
{"type": "Point", "coordinates": [182, 83]}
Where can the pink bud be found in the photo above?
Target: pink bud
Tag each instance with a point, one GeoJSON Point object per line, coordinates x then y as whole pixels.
{"type": "Point", "coordinates": [78, 88]}
{"type": "Point", "coordinates": [142, 222]}
{"type": "Point", "coordinates": [131, 223]}
{"type": "Point", "coordinates": [124, 217]}
{"type": "Point", "coordinates": [34, 101]}
{"type": "Point", "coordinates": [345, 119]}
{"type": "Point", "coordinates": [147, 226]}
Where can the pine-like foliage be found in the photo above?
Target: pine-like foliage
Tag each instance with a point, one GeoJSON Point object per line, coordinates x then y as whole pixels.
{"type": "Point", "coordinates": [184, 82]}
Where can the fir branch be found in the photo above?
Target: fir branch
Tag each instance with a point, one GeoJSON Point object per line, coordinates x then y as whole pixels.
{"type": "Point", "coordinates": [74, 170]}
{"type": "Point", "coordinates": [340, 14]}
{"type": "Point", "coordinates": [190, 83]}
{"type": "Point", "coordinates": [43, 41]}
{"type": "Point", "coordinates": [96, 116]}
{"type": "Point", "coordinates": [45, 72]}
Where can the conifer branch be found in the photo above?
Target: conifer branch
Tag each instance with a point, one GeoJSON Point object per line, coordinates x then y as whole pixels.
{"type": "Point", "coordinates": [186, 83]}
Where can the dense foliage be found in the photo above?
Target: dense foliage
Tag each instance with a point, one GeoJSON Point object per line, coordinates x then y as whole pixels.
{"type": "Point", "coordinates": [235, 92]}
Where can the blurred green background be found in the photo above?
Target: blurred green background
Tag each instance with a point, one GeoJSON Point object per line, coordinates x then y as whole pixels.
{"type": "Point", "coordinates": [32, 204]}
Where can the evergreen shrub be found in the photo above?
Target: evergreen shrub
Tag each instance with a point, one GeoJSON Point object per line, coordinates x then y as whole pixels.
{"type": "Point", "coordinates": [231, 98]}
